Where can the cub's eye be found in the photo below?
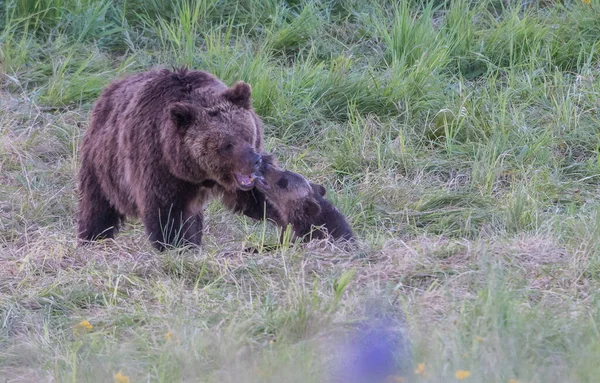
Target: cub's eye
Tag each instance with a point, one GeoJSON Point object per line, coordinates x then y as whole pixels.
{"type": "Point", "coordinates": [282, 183]}
{"type": "Point", "coordinates": [213, 113]}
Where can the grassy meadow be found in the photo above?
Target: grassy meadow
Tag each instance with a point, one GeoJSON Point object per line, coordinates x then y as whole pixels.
{"type": "Point", "coordinates": [461, 138]}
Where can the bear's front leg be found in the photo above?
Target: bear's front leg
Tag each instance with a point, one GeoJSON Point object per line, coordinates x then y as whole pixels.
{"type": "Point", "coordinates": [252, 204]}
{"type": "Point", "coordinates": [192, 229]}
{"type": "Point", "coordinates": [171, 226]}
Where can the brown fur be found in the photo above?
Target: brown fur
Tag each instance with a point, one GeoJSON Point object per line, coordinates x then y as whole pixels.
{"type": "Point", "coordinates": [160, 144]}
{"type": "Point", "coordinates": [301, 204]}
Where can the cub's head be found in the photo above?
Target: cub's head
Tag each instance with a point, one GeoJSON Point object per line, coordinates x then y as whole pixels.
{"type": "Point", "coordinates": [219, 136]}
{"type": "Point", "coordinates": [291, 193]}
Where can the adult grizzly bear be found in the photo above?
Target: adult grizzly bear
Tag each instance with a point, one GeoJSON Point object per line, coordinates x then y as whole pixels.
{"type": "Point", "coordinates": [301, 204]}
{"type": "Point", "coordinates": [162, 143]}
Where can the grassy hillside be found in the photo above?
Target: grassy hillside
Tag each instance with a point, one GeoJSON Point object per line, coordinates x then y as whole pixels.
{"type": "Point", "coordinates": [461, 138]}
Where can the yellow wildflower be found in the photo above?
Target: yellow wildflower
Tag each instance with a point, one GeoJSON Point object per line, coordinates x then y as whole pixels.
{"type": "Point", "coordinates": [462, 374]}
{"type": "Point", "coordinates": [420, 369]}
{"type": "Point", "coordinates": [479, 339]}
{"type": "Point", "coordinates": [82, 327]}
{"type": "Point", "coordinates": [85, 325]}
{"type": "Point", "coordinates": [513, 381]}
{"type": "Point", "coordinates": [120, 378]}
{"type": "Point", "coordinates": [168, 335]}
{"type": "Point", "coordinates": [395, 379]}
{"type": "Point", "coordinates": [587, 1]}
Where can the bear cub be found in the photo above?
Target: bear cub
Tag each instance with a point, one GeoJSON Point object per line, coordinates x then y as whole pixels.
{"type": "Point", "coordinates": [301, 204]}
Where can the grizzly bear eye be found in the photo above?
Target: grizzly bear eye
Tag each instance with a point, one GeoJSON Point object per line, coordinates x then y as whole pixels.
{"type": "Point", "coordinates": [213, 113]}
{"type": "Point", "coordinates": [227, 147]}
{"type": "Point", "coordinates": [282, 183]}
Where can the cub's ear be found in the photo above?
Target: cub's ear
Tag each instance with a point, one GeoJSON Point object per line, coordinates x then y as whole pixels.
{"type": "Point", "coordinates": [182, 114]}
{"type": "Point", "coordinates": [319, 189]}
{"type": "Point", "coordinates": [239, 95]}
{"type": "Point", "coordinates": [312, 207]}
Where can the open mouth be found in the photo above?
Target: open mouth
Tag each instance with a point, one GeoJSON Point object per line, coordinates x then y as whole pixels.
{"type": "Point", "coordinates": [261, 183]}
{"type": "Point", "coordinates": [246, 182]}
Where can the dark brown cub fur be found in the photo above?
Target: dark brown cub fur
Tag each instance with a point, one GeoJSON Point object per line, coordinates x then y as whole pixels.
{"type": "Point", "coordinates": [301, 204]}
{"type": "Point", "coordinates": [162, 143]}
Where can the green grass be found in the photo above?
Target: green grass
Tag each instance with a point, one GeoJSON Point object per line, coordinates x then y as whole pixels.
{"type": "Point", "coordinates": [461, 139]}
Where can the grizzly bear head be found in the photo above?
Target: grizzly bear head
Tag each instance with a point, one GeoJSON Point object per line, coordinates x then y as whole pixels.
{"type": "Point", "coordinates": [218, 135]}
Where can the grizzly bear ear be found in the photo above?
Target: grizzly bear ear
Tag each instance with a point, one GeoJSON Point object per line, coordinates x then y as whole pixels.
{"type": "Point", "coordinates": [312, 207]}
{"type": "Point", "coordinates": [319, 189]}
{"type": "Point", "coordinates": [239, 95]}
{"type": "Point", "coordinates": [182, 114]}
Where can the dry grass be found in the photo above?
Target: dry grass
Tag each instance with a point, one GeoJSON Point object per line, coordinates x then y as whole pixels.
{"type": "Point", "coordinates": [460, 138]}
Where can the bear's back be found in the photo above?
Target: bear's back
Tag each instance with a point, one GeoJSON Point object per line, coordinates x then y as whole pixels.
{"type": "Point", "coordinates": [333, 220]}
{"type": "Point", "coordinates": [144, 96]}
